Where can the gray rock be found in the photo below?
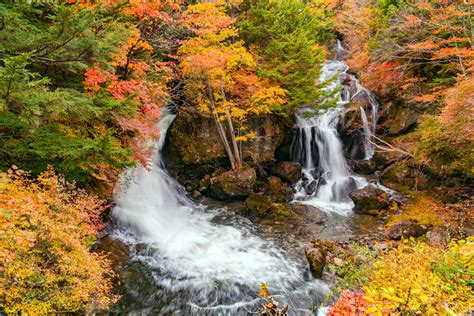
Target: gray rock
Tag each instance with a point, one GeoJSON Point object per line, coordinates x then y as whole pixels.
{"type": "Point", "coordinates": [438, 237]}
{"type": "Point", "coordinates": [404, 229]}
{"type": "Point", "coordinates": [369, 200]}
{"type": "Point", "coordinates": [313, 214]}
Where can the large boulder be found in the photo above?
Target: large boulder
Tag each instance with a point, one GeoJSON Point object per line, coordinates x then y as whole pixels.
{"type": "Point", "coordinates": [264, 207]}
{"type": "Point", "coordinates": [287, 170]}
{"type": "Point", "coordinates": [404, 175]}
{"type": "Point", "coordinates": [316, 256]}
{"type": "Point", "coordinates": [369, 200]}
{"type": "Point", "coordinates": [405, 229]}
{"type": "Point", "coordinates": [233, 184]}
{"type": "Point", "coordinates": [193, 140]}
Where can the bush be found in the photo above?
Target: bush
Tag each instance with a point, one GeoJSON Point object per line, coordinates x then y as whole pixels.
{"type": "Point", "coordinates": [406, 281]}
{"type": "Point", "coordinates": [47, 227]}
{"type": "Point", "coordinates": [413, 279]}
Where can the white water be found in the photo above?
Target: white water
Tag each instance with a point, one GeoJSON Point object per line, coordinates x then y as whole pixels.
{"type": "Point", "coordinates": [368, 147]}
{"type": "Point", "coordinates": [327, 180]}
{"type": "Point", "coordinates": [207, 261]}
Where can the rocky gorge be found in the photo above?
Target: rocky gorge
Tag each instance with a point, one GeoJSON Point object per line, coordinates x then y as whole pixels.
{"type": "Point", "coordinates": [310, 188]}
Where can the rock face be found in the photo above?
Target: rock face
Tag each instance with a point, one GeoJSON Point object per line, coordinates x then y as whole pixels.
{"type": "Point", "coordinates": [316, 256]}
{"type": "Point", "coordinates": [287, 170]}
{"type": "Point", "coordinates": [404, 229]}
{"type": "Point", "coordinates": [351, 133]}
{"type": "Point", "coordinates": [233, 184]}
{"type": "Point", "coordinates": [398, 119]}
{"type": "Point", "coordinates": [193, 140]}
{"type": "Point", "coordinates": [369, 200]}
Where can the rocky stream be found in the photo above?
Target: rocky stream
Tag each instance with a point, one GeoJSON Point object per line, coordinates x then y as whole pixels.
{"type": "Point", "coordinates": [191, 238]}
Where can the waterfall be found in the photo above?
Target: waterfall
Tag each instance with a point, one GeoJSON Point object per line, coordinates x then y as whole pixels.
{"type": "Point", "coordinates": [327, 180]}
{"type": "Point", "coordinates": [368, 147]}
{"type": "Point", "coordinates": [368, 129]}
{"type": "Point", "coordinates": [202, 261]}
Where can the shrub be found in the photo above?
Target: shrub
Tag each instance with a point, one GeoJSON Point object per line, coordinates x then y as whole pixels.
{"type": "Point", "coordinates": [47, 227]}
{"type": "Point", "coordinates": [405, 280]}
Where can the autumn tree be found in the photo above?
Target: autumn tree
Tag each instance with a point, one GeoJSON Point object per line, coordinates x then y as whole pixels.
{"type": "Point", "coordinates": [47, 227]}
{"type": "Point", "coordinates": [81, 86]}
{"type": "Point", "coordinates": [221, 78]}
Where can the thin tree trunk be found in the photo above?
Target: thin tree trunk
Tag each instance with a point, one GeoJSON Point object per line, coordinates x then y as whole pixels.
{"type": "Point", "coordinates": [240, 143]}
{"type": "Point", "coordinates": [220, 128]}
{"type": "Point", "coordinates": [232, 133]}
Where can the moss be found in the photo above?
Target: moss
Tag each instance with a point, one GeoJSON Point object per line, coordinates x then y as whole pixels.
{"type": "Point", "coordinates": [422, 209]}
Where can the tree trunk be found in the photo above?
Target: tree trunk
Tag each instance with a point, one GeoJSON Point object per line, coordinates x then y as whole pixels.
{"type": "Point", "coordinates": [220, 129]}
{"type": "Point", "coordinates": [232, 133]}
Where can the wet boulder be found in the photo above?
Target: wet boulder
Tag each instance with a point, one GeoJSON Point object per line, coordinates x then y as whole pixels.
{"type": "Point", "coordinates": [233, 184]}
{"type": "Point", "coordinates": [287, 170]}
{"type": "Point", "coordinates": [342, 188]}
{"type": "Point", "coordinates": [369, 200]}
{"type": "Point", "coordinates": [311, 187]}
{"type": "Point", "coordinates": [278, 190]}
{"type": "Point", "coordinates": [316, 256]}
{"type": "Point", "coordinates": [405, 229]}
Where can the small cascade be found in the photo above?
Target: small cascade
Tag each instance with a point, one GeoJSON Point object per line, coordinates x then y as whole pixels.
{"type": "Point", "coordinates": [369, 129]}
{"type": "Point", "coordinates": [327, 180]}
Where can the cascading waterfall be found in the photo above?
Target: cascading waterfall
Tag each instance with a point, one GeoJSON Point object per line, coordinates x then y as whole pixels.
{"type": "Point", "coordinates": [327, 180]}
{"type": "Point", "coordinates": [202, 261]}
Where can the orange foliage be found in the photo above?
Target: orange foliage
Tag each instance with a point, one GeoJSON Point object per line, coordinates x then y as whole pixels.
{"type": "Point", "coordinates": [458, 114]}
{"type": "Point", "coordinates": [47, 226]}
{"type": "Point", "coordinates": [421, 37]}
{"type": "Point", "coordinates": [135, 75]}
{"type": "Point", "coordinates": [350, 303]}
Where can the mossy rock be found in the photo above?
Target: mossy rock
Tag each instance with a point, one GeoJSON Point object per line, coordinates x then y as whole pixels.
{"type": "Point", "coordinates": [263, 207]}
{"type": "Point", "coordinates": [233, 184]}
{"type": "Point", "coordinates": [278, 191]}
